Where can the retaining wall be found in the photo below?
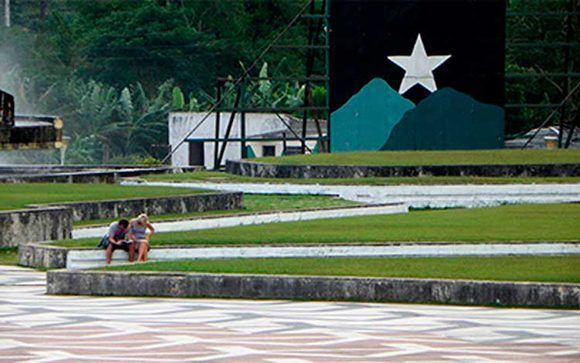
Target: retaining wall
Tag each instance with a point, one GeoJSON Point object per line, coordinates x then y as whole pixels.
{"type": "Point", "coordinates": [21, 226]}
{"type": "Point", "coordinates": [254, 169]}
{"type": "Point", "coordinates": [200, 202]}
{"type": "Point", "coordinates": [45, 223]}
{"type": "Point", "coordinates": [45, 174]}
{"type": "Point", "coordinates": [462, 292]}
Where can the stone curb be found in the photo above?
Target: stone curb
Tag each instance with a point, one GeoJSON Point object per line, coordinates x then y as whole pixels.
{"type": "Point", "coordinates": [78, 173]}
{"type": "Point", "coordinates": [197, 285]}
{"type": "Point", "coordinates": [44, 255]}
{"type": "Point", "coordinates": [262, 170]}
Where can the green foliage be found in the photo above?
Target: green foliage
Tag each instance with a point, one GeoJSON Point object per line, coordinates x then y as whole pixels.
{"type": "Point", "coordinates": [104, 65]}
{"type": "Point", "coordinates": [538, 58]}
{"type": "Point", "coordinates": [178, 103]}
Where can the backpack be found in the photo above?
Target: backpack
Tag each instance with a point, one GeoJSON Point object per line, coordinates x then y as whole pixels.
{"type": "Point", "coordinates": [104, 243]}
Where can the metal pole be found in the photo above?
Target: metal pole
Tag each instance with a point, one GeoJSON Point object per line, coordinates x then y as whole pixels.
{"type": "Point", "coordinates": [7, 13]}
{"type": "Point", "coordinates": [327, 70]}
{"type": "Point", "coordinates": [567, 69]}
{"type": "Point", "coordinates": [217, 126]}
{"type": "Point", "coordinates": [244, 152]}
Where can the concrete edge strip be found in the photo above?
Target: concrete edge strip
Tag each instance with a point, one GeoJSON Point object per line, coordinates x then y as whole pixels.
{"type": "Point", "coordinates": [256, 169]}
{"type": "Point", "coordinates": [197, 285]}
{"type": "Point", "coordinates": [260, 218]}
{"type": "Point", "coordinates": [42, 255]}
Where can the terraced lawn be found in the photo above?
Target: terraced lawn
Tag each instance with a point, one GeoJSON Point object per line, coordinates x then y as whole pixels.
{"type": "Point", "coordinates": [460, 157]}
{"type": "Point", "coordinates": [509, 268]}
{"type": "Point", "coordinates": [18, 196]}
{"type": "Point", "coordinates": [253, 203]}
{"type": "Point", "coordinates": [514, 223]}
{"type": "Point", "coordinates": [8, 256]}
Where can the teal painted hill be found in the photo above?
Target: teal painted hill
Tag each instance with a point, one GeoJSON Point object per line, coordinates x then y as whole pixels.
{"type": "Point", "coordinates": [367, 119]}
{"type": "Point", "coordinates": [448, 120]}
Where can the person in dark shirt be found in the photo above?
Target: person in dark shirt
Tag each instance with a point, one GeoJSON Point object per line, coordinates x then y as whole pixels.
{"type": "Point", "coordinates": [116, 239]}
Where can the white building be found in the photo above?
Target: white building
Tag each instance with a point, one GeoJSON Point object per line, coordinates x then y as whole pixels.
{"type": "Point", "coordinates": [262, 132]}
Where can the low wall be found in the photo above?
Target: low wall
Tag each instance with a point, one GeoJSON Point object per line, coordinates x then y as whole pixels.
{"type": "Point", "coordinates": [199, 202]}
{"type": "Point", "coordinates": [22, 226]}
{"type": "Point", "coordinates": [254, 169]}
{"type": "Point", "coordinates": [51, 223]}
{"type": "Point", "coordinates": [38, 255]}
{"type": "Point", "coordinates": [78, 174]}
{"type": "Point", "coordinates": [464, 292]}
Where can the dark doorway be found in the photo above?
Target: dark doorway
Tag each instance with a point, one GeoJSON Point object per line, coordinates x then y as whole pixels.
{"type": "Point", "coordinates": [269, 150]}
{"type": "Point", "coordinates": [196, 154]}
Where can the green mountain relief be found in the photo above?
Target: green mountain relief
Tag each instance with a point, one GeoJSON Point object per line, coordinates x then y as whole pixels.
{"type": "Point", "coordinates": [367, 119]}
{"type": "Point", "coordinates": [448, 120]}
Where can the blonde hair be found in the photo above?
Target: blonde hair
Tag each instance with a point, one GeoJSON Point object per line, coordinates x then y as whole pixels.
{"type": "Point", "coordinates": [143, 218]}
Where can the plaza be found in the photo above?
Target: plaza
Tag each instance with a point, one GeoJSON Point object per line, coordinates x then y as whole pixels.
{"type": "Point", "coordinates": [40, 328]}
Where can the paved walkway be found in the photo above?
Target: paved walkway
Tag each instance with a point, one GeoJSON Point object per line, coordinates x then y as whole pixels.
{"type": "Point", "coordinates": [418, 196]}
{"type": "Point", "coordinates": [38, 328]}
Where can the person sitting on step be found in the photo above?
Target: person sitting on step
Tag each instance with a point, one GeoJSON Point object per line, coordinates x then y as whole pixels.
{"type": "Point", "coordinates": [115, 239]}
{"type": "Point", "coordinates": [140, 232]}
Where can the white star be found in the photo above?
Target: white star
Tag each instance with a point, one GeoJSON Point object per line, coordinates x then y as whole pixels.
{"type": "Point", "coordinates": [418, 67]}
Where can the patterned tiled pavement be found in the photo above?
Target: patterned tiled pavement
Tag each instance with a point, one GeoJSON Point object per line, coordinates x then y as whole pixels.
{"type": "Point", "coordinates": [35, 327]}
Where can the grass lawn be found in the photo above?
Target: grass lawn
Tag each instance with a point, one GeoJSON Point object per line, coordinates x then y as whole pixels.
{"type": "Point", "coordinates": [17, 196]}
{"type": "Point", "coordinates": [509, 268]}
{"type": "Point", "coordinates": [8, 256]}
{"type": "Point", "coordinates": [512, 156]}
{"type": "Point", "coordinates": [252, 204]}
{"type": "Point", "coordinates": [220, 177]}
{"type": "Point", "coordinates": [518, 223]}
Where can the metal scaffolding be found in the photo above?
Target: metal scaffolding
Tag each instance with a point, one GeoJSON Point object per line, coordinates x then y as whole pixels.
{"type": "Point", "coordinates": [316, 49]}
{"type": "Point", "coordinates": [565, 80]}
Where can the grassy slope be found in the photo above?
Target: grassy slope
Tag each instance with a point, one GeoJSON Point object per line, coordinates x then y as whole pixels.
{"type": "Point", "coordinates": [252, 204]}
{"type": "Point", "coordinates": [529, 223]}
{"type": "Point", "coordinates": [434, 157]}
{"type": "Point", "coordinates": [16, 196]}
{"type": "Point", "coordinates": [8, 255]}
{"type": "Point", "coordinates": [219, 177]}
{"type": "Point", "coordinates": [512, 268]}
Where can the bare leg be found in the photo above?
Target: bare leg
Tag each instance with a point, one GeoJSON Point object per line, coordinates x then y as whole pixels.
{"type": "Point", "coordinates": [109, 253]}
{"type": "Point", "coordinates": [142, 251]}
{"type": "Point", "coordinates": [131, 252]}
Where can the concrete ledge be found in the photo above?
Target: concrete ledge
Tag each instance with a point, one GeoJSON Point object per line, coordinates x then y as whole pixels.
{"type": "Point", "coordinates": [254, 169]}
{"type": "Point", "coordinates": [54, 222]}
{"type": "Point", "coordinates": [187, 203]}
{"type": "Point", "coordinates": [21, 226]}
{"type": "Point", "coordinates": [183, 285]}
{"type": "Point", "coordinates": [38, 255]}
{"type": "Point", "coordinates": [78, 174]}
{"type": "Point", "coordinates": [42, 255]}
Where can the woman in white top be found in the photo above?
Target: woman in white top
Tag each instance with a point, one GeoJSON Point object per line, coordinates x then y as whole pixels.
{"type": "Point", "coordinates": [140, 232]}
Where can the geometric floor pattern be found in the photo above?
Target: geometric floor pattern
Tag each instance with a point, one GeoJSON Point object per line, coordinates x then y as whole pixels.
{"type": "Point", "coordinates": [35, 327]}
